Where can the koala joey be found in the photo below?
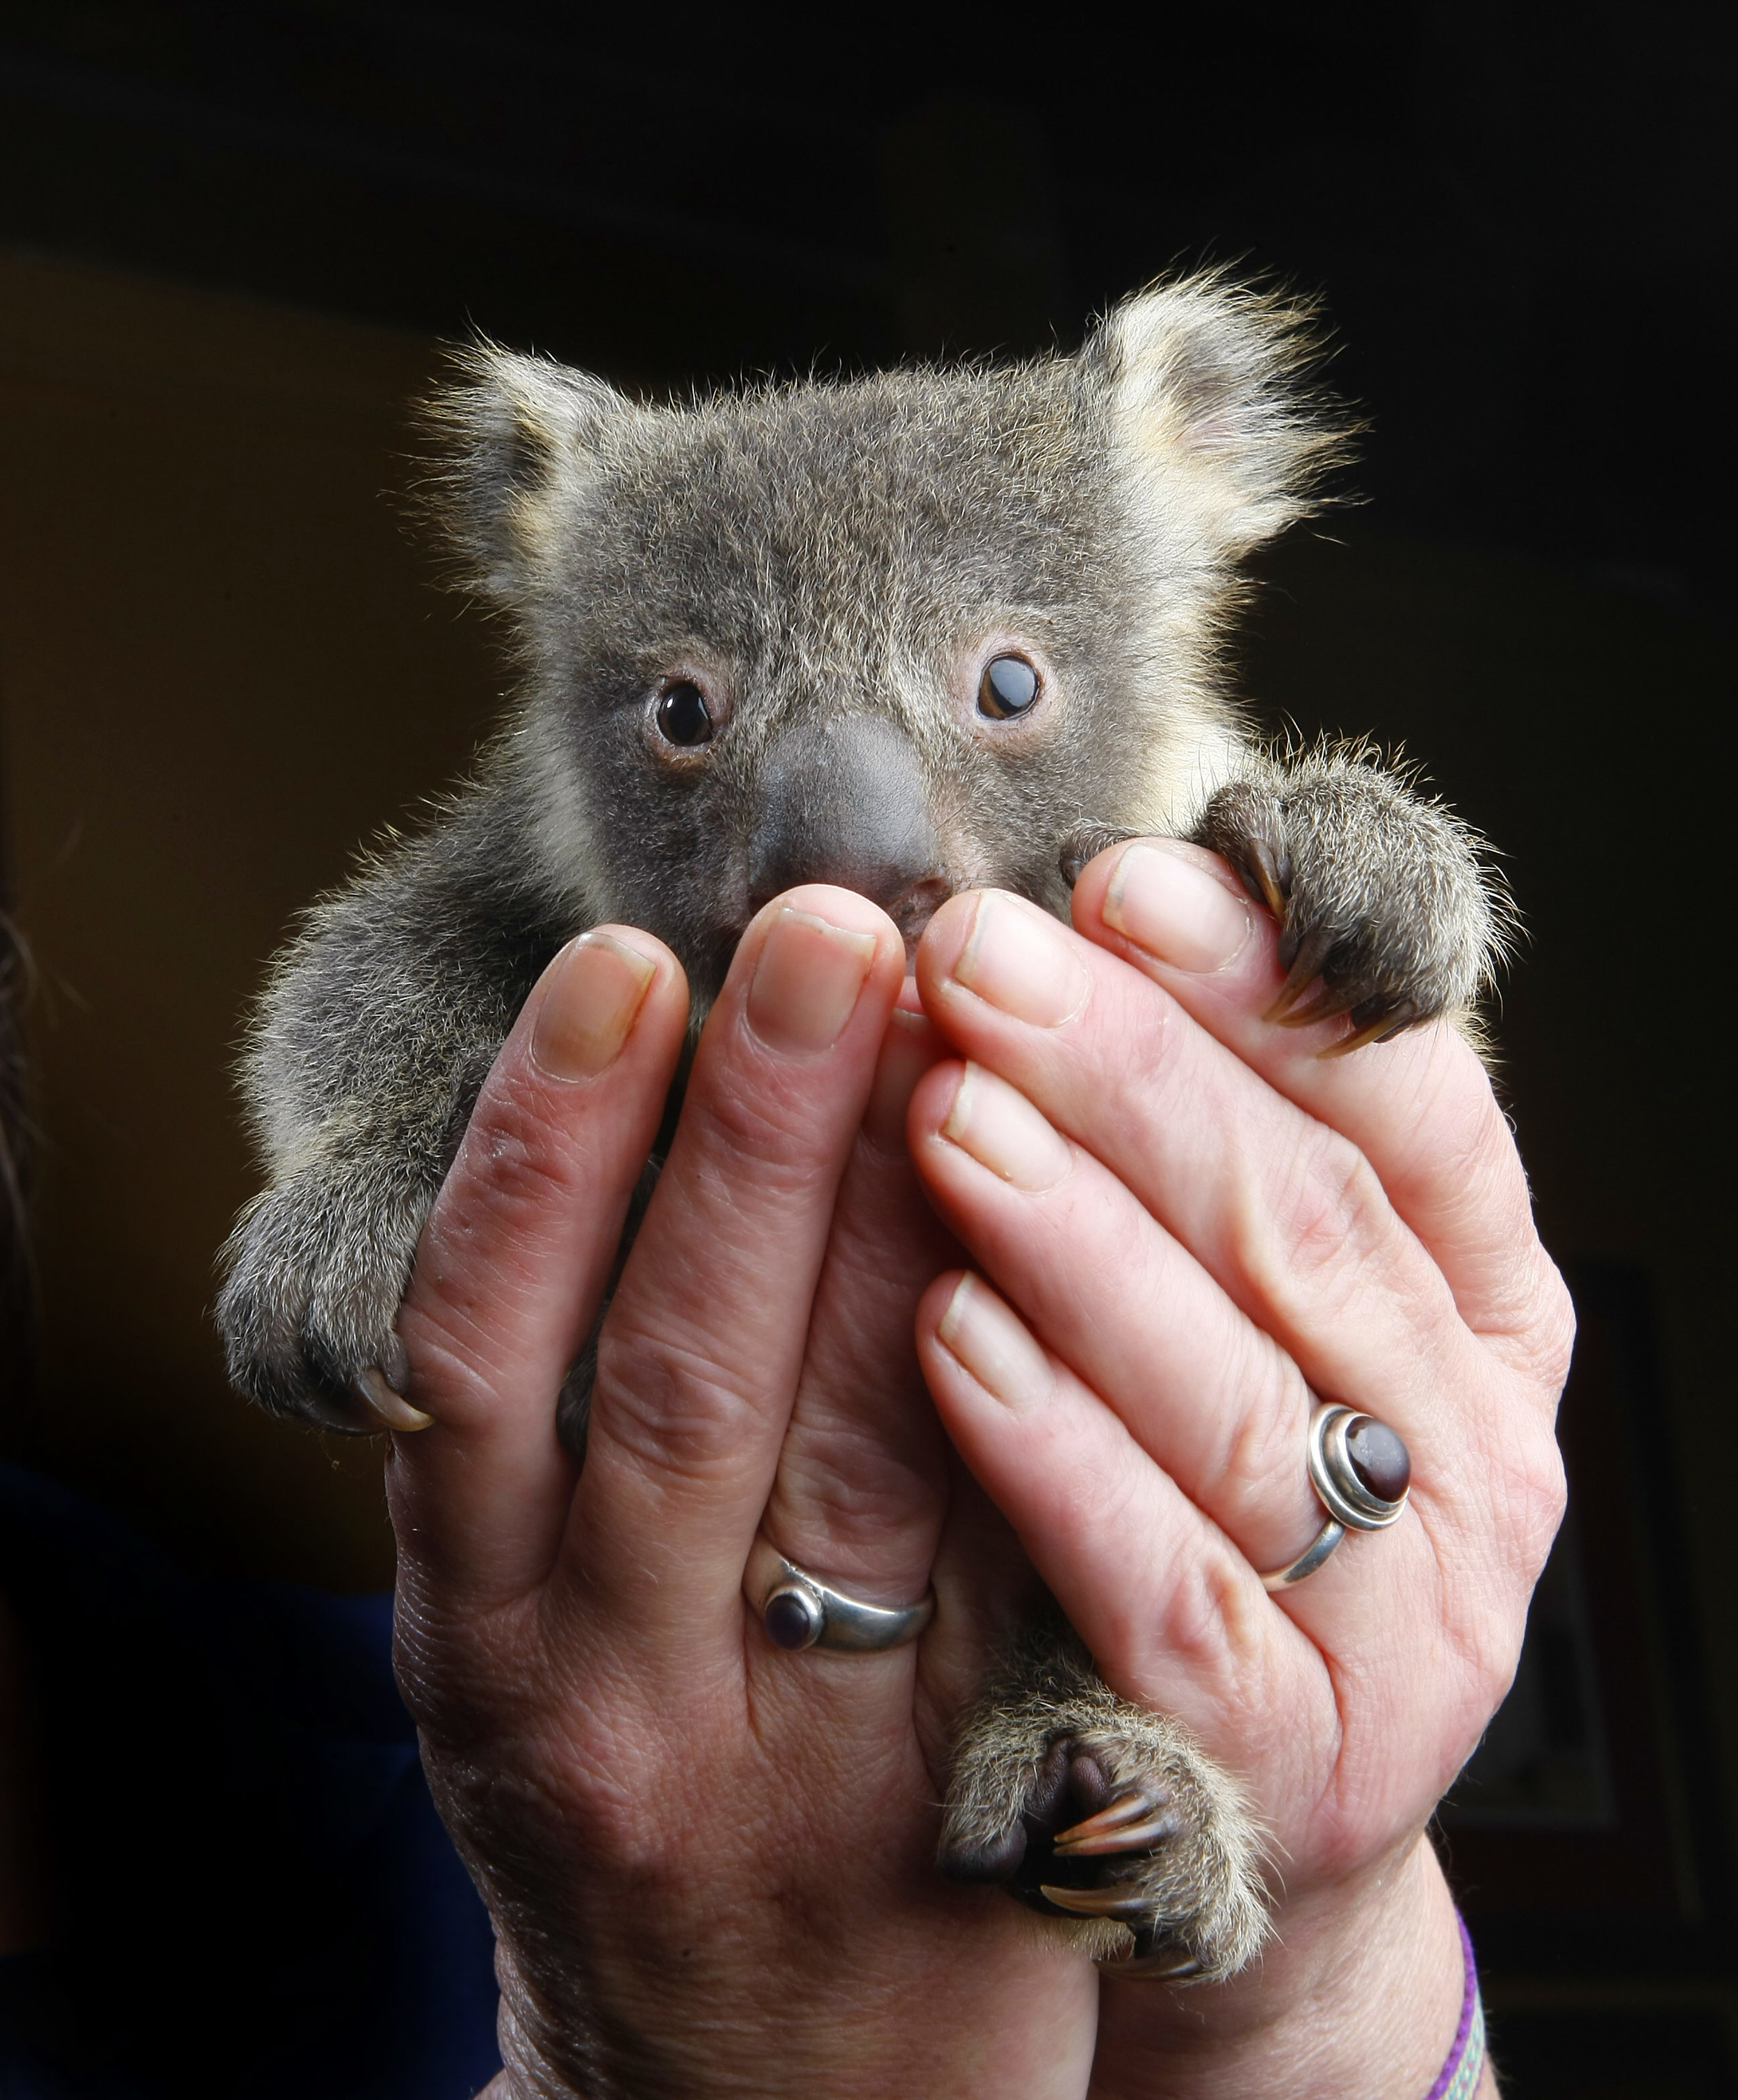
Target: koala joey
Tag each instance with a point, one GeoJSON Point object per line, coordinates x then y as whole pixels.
{"type": "Point", "coordinates": [914, 633]}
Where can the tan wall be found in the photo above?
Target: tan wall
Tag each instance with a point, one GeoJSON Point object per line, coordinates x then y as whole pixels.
{"type": "Point", "coordinates": [222, 665]}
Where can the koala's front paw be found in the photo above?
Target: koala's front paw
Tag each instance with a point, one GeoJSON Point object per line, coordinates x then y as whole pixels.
{"type": "Point", "coordinates": [1109, 1814]}
{"type": "Point", "coordinates": [317, 1268]}
{"type": "Point", "coordinates": [1379, 894]}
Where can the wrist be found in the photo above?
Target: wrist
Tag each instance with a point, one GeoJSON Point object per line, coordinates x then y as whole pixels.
{"type": "Point", "coordinates": [1358, 1996]}
{"type": "Point", "coordinates": [966, 2005]}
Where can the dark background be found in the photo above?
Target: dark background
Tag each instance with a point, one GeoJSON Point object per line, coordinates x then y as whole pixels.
{"type": "Point", "coordinates": [230, 236]}
{"type": "Point", "coordinates": [1520, 217]}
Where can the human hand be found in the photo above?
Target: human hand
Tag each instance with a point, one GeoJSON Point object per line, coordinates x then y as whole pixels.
{"type": "Point", "coordinates": [709, 1862]}
{"type": "Point", "coordinates": [1194, 1225]}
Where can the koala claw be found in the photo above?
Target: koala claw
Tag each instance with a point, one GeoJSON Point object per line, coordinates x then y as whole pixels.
{"type": "Point", "coordinates": [1155, 1960]}
{"type": "Point", "coordinates": [1383, 1028]}
{"type": "Point", "coordinates": [1305, 958]}
{"type": "Point", "coordinates": [1383, 900]}
{"type": "Point", "coordinates": [372, 1388]}
{"type": "Point", "coordinates": [341, 1415]}
{"type": "Point", "coordinates": [1157, 1957]}
{"type": "Point", "coordinates": [1085, 844]}
{"type": "Point", "coordinates": [1094, 1902]}
{"type": "Point", "coordinates": [1272, 877]}
{"type": "Point", "coordinates": [1115, 1828]}
{"type": "Point", "coordinates": [1135, 1819]}
{"type": "Point", "coordinates": [317, 1268]}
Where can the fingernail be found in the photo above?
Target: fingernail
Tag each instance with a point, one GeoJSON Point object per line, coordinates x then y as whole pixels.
{"type": "Point", "coordinates": [909, 1049]}
{"type": "Point", "coordinates": [983, 1335]}
{"type": "Point", "coordinates": [597, 990]}
{"type": "Point", "coordinates": [1175, 909]}
{"type": "Point", "coordinates": [807, 982]}
{"type": "Point", "coordinates": [1000, 1128]}
{"type": "Point", "coordinates": [1019, 960]}
{"type": "Point", "coordinates": [371, 1389]}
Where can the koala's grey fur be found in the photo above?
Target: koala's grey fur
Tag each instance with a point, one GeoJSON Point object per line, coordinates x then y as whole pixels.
{"type": "Point", "coordinates": [832, 564]}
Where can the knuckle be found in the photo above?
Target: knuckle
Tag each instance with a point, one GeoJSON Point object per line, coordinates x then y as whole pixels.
{"type": "Point", "coordinates": [1509, 1529]}
{"type": "Point", "coordinates": [1312, 1230]}
{"type": "Point", "coordinates": [1489, 1649]}
{"type": "Point", "coordinates": [529, 1763]}
{"type": "Point", "coordinates": [516, 1161]}
{"type": "Point", "coordinates": [1264, 1432]}
{"type": "Point", "coordinates": [1461, 1143]}
{"type": "Point", "coordinates": [661, 1397]}
{"type": "Point", "coordinates": [1134, 1075]}
{"type": "Point", "coordinates": [748, 1136]}
{"type": "Point", "coordinates": [1138, 1023]}
{"type": "Point", "coordinates": [534, 1793]}
{"type": "Point", "coordinates": [1552, 1332]}
{"type": "Point", "coordinates": [847, 1482]}
{"type": "Point", "coordinates": [1212, 1617]}
{"type": "Point", "coordinates": [1537, 1495]}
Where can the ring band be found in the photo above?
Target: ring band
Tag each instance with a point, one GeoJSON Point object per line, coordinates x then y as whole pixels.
{"type": "Point", "coordinates": [1309, 1560]}
{"type": "Point", "coordinates": [1349, 1483]}
{"type": "Point", "coordinates": [798, 1611]}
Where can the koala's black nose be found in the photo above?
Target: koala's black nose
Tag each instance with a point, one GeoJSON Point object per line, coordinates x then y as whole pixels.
{"type": "Point", "coordinates": [844, 800]}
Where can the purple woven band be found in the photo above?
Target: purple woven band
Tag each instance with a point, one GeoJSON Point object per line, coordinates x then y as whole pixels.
{"type": "Point", "coordinates": [1458, 2078]}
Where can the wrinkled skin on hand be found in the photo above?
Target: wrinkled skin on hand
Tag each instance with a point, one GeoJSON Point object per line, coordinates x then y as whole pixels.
{"type": "Point", "coordinates": [1196, 1224]}
{"type": "Point", "coordinates": [708, 1861]}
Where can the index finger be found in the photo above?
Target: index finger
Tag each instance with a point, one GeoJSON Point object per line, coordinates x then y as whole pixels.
{"type": "Point", "coordinates": [515, 1257]}
{"type": "Point", "coordinates": [1420, 1109]}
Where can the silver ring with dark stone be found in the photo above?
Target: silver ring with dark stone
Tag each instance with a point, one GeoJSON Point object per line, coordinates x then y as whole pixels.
{"type": "Point", "coordinates": [798, 1611]}
{"type": "Point", "coordinates": [1361, 1471]}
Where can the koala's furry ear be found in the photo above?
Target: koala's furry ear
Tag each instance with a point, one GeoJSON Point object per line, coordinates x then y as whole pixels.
{"type": "Point", "coordinates": [1205, 381]}
{"type": "Point", "coordinates": [521, 439]}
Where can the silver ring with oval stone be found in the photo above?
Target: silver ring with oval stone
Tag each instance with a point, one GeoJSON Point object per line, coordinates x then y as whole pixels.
{"type": "Point", "coordinates": [798, 1611]}
{"type": "Point", "coordinates": [1361, 1471]}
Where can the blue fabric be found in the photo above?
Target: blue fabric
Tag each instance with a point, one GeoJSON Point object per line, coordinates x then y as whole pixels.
{"type": "Point", "coordinates": [259, 1900]}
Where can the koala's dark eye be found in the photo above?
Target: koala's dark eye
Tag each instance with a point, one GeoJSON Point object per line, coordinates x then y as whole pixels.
{"type": "Point", "coordinates": [1008, 686]}
{"type": "Point", "coordinates": [682, 714]}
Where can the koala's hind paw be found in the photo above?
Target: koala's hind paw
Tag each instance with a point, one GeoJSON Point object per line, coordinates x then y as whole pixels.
{"type": "Point", "coordinates": [317, 1271]}
{"type": "Point", "coordinates": [1127, 1829]}
{"type": "Point", "coordinates": [1380, 895]}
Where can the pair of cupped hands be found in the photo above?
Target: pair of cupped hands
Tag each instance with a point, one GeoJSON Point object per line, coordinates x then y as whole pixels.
{"type": "Point", "coordinates": [1035, 1261]}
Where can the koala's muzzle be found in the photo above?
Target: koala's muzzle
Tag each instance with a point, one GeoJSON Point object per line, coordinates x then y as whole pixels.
{"type": "Point", "coordinates": [845, 801]}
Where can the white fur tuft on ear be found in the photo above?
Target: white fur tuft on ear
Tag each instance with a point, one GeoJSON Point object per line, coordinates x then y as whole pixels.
{"type": "Point", "coordinates": [521, 436]}
{"type": "Point", "coordinates": [1204, 385]}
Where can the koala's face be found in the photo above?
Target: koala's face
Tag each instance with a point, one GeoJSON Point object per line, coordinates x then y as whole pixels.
{"type": "Point", "coordinates": [910, 634]}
